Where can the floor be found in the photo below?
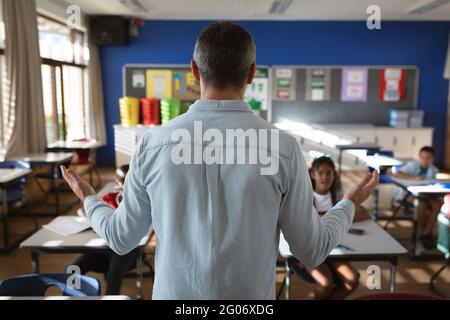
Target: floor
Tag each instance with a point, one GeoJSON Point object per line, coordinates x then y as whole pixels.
{"type": "Point", "coordinates": [412, 276]}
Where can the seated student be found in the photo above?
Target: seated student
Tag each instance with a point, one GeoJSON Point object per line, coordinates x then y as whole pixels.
{"type": "Point", "coordinates": [334, 280]}
{"type": "Point", "coordinates": [111, 264]}
{"type": "Point", "coordinates": [429, 208]}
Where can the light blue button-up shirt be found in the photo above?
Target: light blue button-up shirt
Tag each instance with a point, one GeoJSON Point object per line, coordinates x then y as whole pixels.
{"type": "Point", "coordinates": [218, 225]}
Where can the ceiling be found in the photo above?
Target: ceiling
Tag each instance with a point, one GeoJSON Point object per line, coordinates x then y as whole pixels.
{"type": "Point", "coordinates": [259, 9]}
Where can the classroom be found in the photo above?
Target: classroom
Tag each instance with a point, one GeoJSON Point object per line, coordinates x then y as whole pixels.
{"type": "Point", "coordinates": [224, 150]}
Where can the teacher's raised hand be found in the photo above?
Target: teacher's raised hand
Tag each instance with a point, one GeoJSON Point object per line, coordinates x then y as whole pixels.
{"type": "Point", "coordinates": [79, 186]}
{"type": "Point", "coordinates": [362, 191]}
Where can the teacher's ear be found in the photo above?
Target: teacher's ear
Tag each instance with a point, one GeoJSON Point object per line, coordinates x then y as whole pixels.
{"type": "Point", "coordinates": [195, 70]}
{"type": "Point", "coordinates": [251, 73]}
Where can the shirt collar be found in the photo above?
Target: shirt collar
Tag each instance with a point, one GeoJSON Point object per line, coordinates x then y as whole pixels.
{"type": "Point", "coordinates": [220, 105]}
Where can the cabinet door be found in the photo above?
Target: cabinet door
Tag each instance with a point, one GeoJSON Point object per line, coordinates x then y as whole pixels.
{"type": "Point", "coordinates": [421, 137]}
{"type": "Point", "coordinates": [365, 135]}
{"type": "Point", "coordinates": [403, 142]}
{"type": "Point", "coordinates": [384, 137]}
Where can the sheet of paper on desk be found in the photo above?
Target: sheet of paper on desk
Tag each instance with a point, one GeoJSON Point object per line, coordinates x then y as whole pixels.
{"type": "Point", "coordinates": [68, 227]}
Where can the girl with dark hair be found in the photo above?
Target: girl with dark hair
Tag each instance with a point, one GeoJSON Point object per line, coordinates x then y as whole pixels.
{"type": "Point", "coordinates": [333, 280]}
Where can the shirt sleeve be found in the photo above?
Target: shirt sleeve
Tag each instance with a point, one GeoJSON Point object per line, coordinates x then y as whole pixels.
{"type": "Point", "coordinates": [310, 237]}
{"type": "Point", "coordinates": [410, 168]}
{"type": "Point", "coordinates": [124, 227]}
{"type": "Point", "coordinates": [432, 172]}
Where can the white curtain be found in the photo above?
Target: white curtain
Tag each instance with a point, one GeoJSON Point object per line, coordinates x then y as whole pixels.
{"type": "Point", "coordinates": [98, 128]}
{"type": "Point", "coordinates": [23, 103]}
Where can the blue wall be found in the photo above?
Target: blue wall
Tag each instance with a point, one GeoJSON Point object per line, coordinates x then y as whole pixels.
{"type": "Point", "coordinates": [308, 43]}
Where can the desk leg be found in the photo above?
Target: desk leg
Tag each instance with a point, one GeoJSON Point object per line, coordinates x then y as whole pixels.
{"type": "Point", "coordinates": [139, 280]}
{"type": "Point", "coordinates": [392, 275]}
{"type": "Point", "coordinates": [56, 189]}
{"type": "Point", "coordinates": [412, 252]}
{"type": "Point", "coordinates": [287, 280]}
{"type": "Point", "coordinates": [5, 221]}
{"type": "Point", "coordinates": [404, 205]}
{"type": "Point", "coordinates": [34, 261]}
{"type": "Point", "coordinates": [376, 207]}
{"type": "Point", "coordinates": [435, 275]}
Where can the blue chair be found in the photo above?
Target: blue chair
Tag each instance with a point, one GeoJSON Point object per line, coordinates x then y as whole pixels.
{"type": "Point", "coordinates": [15, 191]}
{"type": "Point", "coordinates": [292, 267]}
{"type": "Point", "coordinates": [35, 285]}
{"type": "Point", "coordinates": [300, 271]}
{"type": "Point", "coordinates": [385, 153]}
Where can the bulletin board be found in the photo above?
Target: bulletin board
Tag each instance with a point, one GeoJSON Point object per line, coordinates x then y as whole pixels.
{"type": "Point", "coordinates": [160, 81]}
{"type": "Point", "coordinates": [177, 81]}
{"type": "Point", "coordinates": [299, 106]}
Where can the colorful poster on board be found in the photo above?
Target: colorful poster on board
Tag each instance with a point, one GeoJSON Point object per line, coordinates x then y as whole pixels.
{"type": "Point", "coordinates": [284, 84]}
{"type": "Point", "coordinates": [318, 84]}
{"type": "Point", "coordinates": [259, 89]}
{"type": "Point", "coordinates": [184, 86]}
{"type": "Point", "coordinates": [138, 79]}
{"type": "Point", "coordinates": [354, 84]}
{"type": "Point", "coordinates": [392, 84]}
{"type": "Point", "coordinates": [159, 83]}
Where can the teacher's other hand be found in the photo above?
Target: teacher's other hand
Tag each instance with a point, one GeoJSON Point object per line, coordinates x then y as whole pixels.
{"type": "Point", "coordinates": [362, 191]}
{"type": "Point", "coordinates": [79, 186]}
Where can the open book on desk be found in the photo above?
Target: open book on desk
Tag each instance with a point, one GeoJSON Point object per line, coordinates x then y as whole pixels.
{"type": "Point", "coordinates": [68, 227]}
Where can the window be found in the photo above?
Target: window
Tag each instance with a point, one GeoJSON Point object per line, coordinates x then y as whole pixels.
{"type": "Point", "coordinates": [65, 57]}
{"type": "Point", "coordinates": [3, 115]}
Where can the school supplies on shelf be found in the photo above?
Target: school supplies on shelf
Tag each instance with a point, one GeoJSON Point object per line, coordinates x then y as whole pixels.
{"type": "Point", "coordinates": [129, 111]}
{"type": "Point", "coordinates": [255, 105]}
{"type": "Point", "coordinates": [170, 109]}
{"type": "Point", "coordinates": [151, 114]}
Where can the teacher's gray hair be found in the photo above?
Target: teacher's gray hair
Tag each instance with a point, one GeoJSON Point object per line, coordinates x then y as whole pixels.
{"type": "Point", "coordinates": [224, 53]}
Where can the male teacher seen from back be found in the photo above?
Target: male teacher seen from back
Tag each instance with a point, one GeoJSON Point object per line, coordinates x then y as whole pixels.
{"type": "Point", "coordinates": [218, 224]}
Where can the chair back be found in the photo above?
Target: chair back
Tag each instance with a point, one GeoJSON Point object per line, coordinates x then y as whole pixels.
{"type": "Point", "coordinates": [15, 191]}
{"type": "Point", "coordinates": [35, 285]}
{"type": "Point", "coordinates": [299, 271]}
{"type": "Point", "coordinates": [397, 296]}
{"type": "Point", "coordinates": [384, 153]}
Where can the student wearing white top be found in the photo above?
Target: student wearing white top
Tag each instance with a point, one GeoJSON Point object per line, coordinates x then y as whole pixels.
{"type": "Point", "coordinates": [334, 280]}
{"type": "Point", "coordinates": [323, 202]}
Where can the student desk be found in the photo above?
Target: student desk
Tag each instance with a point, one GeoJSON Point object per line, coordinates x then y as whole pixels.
{"type": "Point", "coordinates": [8, 177]}
{"type": "Point", "coordinates": [354, 146]}
{"type": "Point", "coordinates": [67, 298]}
{"type": "Point", "coordinates": [435, 189]}
{"type": "Point", "coordinates": [417, 189]}
{"type": "Point", "coordinates": [381, 162]}
{"type": "Point", "coordinates": [53, 159]}
{"type": "Point", "coordinates": [374, 245]}
{"type": "Point", "coordinates": [68, 146]}
{"type": "Point", "coordinates": [49, 242]}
